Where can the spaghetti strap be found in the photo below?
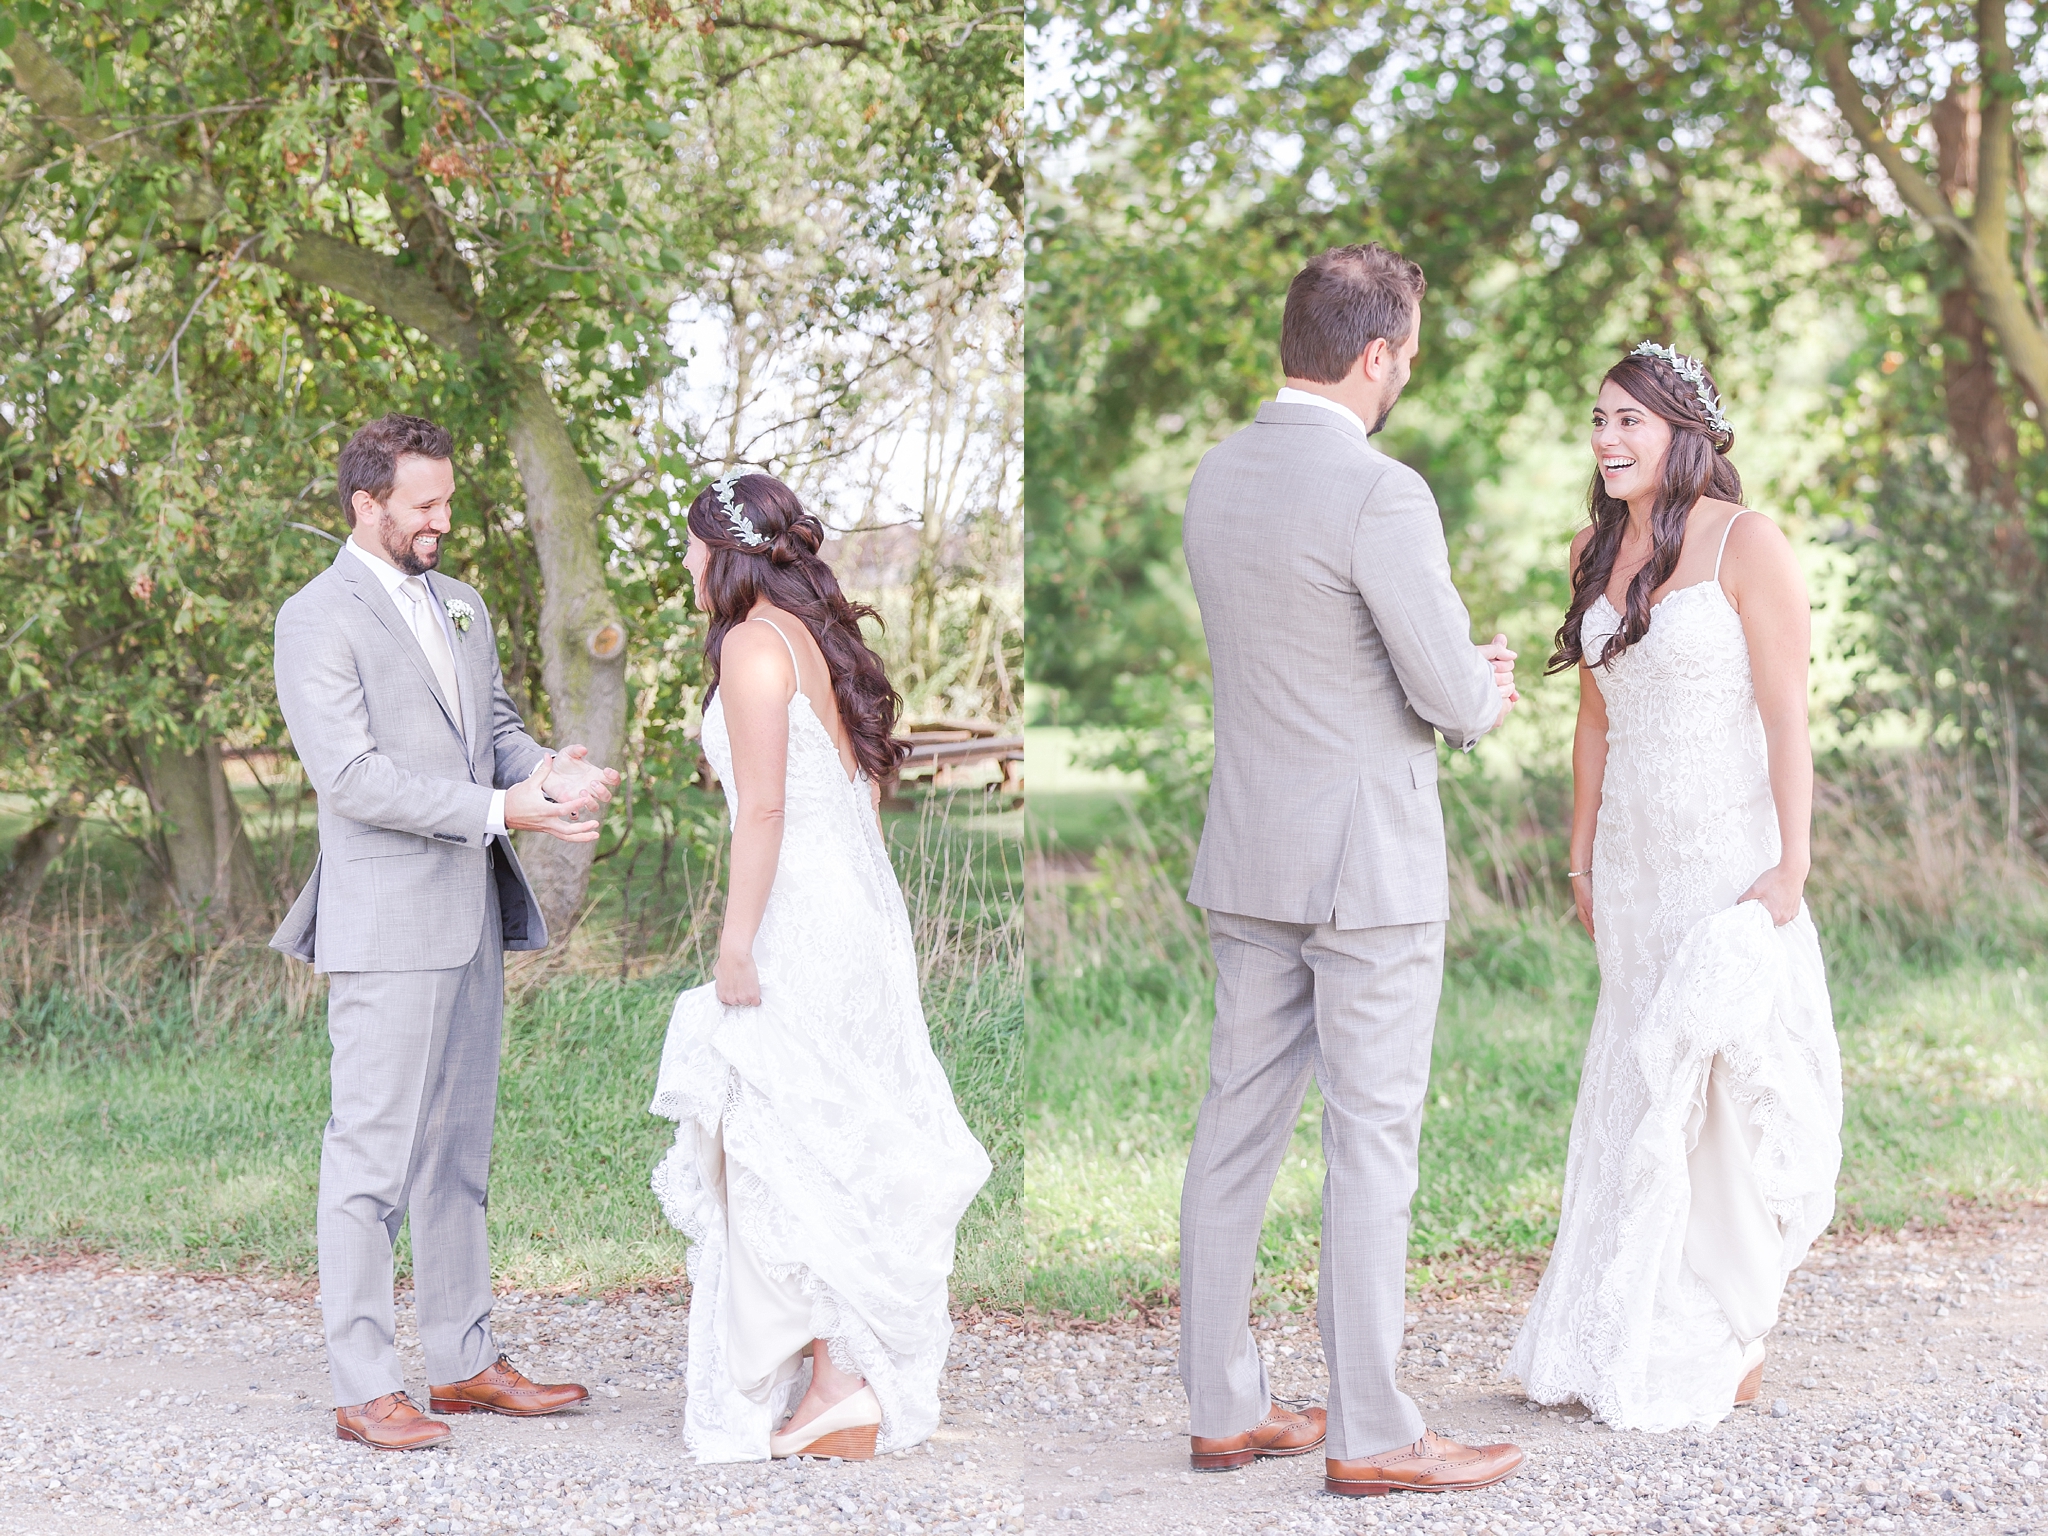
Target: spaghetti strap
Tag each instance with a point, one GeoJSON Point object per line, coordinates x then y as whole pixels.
{"type": "Point", "coordinates": [1719, 555]}
{"type": "Point", "coordinates": [793, 666]}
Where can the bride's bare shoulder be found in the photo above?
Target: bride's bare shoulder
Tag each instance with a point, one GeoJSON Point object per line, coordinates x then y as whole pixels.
{"type": "Point", "coordinates": [1757, 559]}
{"type": "Point", "coordinates": [1754, 534]}
{"type": "Point", "coordinates": [1579, 542]}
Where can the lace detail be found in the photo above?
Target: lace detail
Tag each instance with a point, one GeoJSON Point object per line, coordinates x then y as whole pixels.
{"type": "Point", "coordinates": [826, 1108]}
{"type": "Point", "coordinates": [1690, 984]}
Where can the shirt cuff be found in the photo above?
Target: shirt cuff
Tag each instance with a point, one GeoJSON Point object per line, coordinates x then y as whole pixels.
{"type": "Point", "coordinates": [494, 823]}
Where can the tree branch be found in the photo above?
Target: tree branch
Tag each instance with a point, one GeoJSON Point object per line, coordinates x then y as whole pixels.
{"type": "Point", "coordinates": [1919, 194]}
{"type": "Point", "coordinates": [406, 293]}
{"type": "Point", "coordinates": [1994, 132]}
{"type": "Point", "coordinates": [61, 100]}
{"type": "Point", "coordinates": [2030, 278]}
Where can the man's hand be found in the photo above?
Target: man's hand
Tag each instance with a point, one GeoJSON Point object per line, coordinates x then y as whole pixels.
{"type": "Point", "coordinates": [527, 809]}
{"type": "Point", "coordinates": [571, 774]}
{"type": "Point", "coordinates": [1502, 660]}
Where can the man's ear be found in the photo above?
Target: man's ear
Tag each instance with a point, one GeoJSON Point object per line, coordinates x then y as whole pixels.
{"type": "Point", "coordinates": [1372, 362]}
{"type": "Point", "coordinates": [365, 505]}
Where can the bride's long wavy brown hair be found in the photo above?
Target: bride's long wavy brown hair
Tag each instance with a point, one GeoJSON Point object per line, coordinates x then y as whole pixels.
{"type": "Point", "coordinates": [1695, 465]}
{"type": "Point", "coordinates": [788, 573]}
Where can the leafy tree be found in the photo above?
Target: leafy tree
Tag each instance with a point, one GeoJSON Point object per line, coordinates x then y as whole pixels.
{"type": "Point", "coordinates": [517, 195]}
{"type": "Point", "coordinates": [1572, 176]}
{"type": "Point", "coordinates": [1565, 175]}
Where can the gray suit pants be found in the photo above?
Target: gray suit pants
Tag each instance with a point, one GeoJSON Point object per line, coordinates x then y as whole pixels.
{"type": "Point", "coordinates": [415, 1092]}
{"type": "Point", "coordinates": [1356, 1007]}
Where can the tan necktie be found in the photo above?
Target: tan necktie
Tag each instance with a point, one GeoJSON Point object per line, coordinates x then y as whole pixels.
{"type": "Point", "coordinates": [426, 627]}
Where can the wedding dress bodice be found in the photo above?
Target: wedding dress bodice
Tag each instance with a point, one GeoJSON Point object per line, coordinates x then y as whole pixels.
{"type": "Point", "coordinates": [1685, 806]}
{"type": "Point", "coordinates": [816, 788]}
{"type": "Point", "coordinates": [1692, 986]}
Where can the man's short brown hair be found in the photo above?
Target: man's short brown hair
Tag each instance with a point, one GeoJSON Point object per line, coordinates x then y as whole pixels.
{"type": "Point", "coordinates": [369, 460]}
{"type": "Point", "coordinates": [1341, 303]}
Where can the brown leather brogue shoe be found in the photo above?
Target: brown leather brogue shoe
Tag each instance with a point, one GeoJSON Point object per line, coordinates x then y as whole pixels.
{"type": "Point", "coordinates": [497, 1388]}
{"type": "Point", "coordinates": [389, 1423]}
{"type": "Point", "coordinates": [1431, 1465]}
{"type": "Point", "coordinates": [1283, 1431]}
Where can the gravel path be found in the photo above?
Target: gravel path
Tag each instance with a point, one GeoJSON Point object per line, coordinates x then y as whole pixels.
{"type": "Point", "coordinates": [1907, 1392]}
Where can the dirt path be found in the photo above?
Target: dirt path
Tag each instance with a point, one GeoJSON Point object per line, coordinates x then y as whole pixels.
{"type": "Point", "coordinates": [1907, 1392]}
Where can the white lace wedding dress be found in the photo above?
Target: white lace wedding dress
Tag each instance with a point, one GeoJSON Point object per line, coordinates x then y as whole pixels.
{"type": "Point", "coordinates": [820, 1163]}
{"type": "Point", "coordinates": [1707, 1135]}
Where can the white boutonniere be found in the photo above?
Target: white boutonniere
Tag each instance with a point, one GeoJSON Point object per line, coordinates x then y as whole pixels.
{"type": "Point", "coordinates": [460, 613]}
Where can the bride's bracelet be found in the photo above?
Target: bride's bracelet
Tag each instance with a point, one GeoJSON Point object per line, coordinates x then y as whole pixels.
{"type": "Point", "coordinates": [1573, 874]}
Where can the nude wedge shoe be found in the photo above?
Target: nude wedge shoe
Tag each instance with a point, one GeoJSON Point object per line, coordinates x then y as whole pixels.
{"type": "Point", "coordinates": [1752, 1385]}
{"type": "Point", "coordinates": [846, 1430]}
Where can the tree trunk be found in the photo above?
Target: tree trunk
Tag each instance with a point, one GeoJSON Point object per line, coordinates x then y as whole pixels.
{"type": "Point", "coordinates": [203, 852]}
{"type": "Point", "coordinates": [927, 577]}
{"type": "Point", "coordinates": [35, 851]}
{"type": "Point", "coordinates": [582, 638]}
{"type": "Point", "coordinates": [1978, 421]}
{"type": "Point", "coordinates": [1979, 424]}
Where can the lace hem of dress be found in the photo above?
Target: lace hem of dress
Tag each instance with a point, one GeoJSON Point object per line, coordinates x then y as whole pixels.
{"type": "Point", "coordinates": [1624, 1325]}
{"type": "Point", "coordinates": [721, 1424]}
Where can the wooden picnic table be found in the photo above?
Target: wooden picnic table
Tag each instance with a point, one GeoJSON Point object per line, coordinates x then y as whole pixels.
{"type": "Point", "coordinates": [939, 748]}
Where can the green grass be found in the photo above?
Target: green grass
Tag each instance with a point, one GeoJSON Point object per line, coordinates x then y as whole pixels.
{"type": "Point", "coordinates": [166, 1107]}
{"type": "Point", "coordinates": [1073, 807]}
{"type": "Point", "coordinates": [1077, 821]}
{"type": "Point", "coordinates": [1945, 1062]}
{"type": "Point", "coordinates": [208, 1157]}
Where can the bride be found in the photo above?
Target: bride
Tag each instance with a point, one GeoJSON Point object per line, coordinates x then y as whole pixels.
{"type": "Point", "coordinates": [820, 1164]}
{"type": "Point", "coordinates": [1707, 1134]}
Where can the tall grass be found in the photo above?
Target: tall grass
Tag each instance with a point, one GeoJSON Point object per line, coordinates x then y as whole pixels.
{"type": "Point", "coordinates": [1933, 931]}
{"type": "Point", "coordinates": [163, 1089]}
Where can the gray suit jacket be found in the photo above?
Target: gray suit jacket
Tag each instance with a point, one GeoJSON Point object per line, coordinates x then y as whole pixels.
{"type": "Point", "coordinates": [400, 881]}
{"type": "Point", "coordinates": [1337, 642]}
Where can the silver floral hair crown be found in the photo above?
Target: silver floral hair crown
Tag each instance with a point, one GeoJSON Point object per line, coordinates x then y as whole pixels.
{"type": "Point", "coordinates": [1689, 369]}
{"type": "Point", "coordinates": [736, 517]}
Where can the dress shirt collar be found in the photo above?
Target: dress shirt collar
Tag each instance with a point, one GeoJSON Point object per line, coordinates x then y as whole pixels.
{"type": "Point", "coordinates": [1289, 396]}
{"type": "Point", "coordinates": [393, 578]}
{"type": "Point", "coordinates": [389, 574]}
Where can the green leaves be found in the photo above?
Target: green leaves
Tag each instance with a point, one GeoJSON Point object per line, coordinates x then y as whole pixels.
{"type": "Point", "coordinates": [1569, 178]}
{"type": "Point", "coordinates": [559, 177]}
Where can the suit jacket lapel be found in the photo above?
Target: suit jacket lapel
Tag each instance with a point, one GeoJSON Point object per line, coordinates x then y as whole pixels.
{"type": "Point", "coordinates": [350, 568]}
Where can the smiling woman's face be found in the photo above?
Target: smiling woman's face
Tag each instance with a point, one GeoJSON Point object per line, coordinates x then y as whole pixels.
{"type": "Point", "coordinates": [1629, 443]}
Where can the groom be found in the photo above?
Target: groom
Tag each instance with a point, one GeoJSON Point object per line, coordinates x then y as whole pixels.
{"type": "Point", "coordinates": [387, 673]}
{"type": "Point", "coordinates": [1340, 649]}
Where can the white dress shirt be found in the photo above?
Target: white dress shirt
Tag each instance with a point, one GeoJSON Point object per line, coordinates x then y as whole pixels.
{"type": "Point", "coordinates": [1289, 396]}
{"type": "Point", "coordinates": [393, 578]}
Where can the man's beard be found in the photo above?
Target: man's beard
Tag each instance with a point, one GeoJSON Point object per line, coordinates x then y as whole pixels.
{"type": "Point", "coordinates": [405, 557]}
{"type": "Point", "coordinates": [1393, 400]}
